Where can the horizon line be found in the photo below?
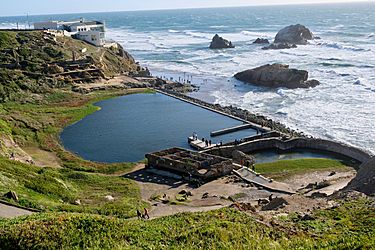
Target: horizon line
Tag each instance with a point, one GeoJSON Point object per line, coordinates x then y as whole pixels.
{"type": "Point", "coordinates": [194, 8]}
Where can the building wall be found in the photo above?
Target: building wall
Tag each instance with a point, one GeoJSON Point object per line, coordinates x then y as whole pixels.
{"type": "Point", "coordinates": [96, 38]}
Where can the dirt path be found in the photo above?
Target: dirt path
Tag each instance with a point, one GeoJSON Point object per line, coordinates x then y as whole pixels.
{"type": "Point", "coordinates": [7, 211]}
{"type": "Point", "coordinates": [43, 158]}
{"type": "Point", "coordinates": [337, 180]}
{"type": "Point", "coordinates": [163, 193]}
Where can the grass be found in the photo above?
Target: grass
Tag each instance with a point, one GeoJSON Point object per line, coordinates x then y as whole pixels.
{"type": "Point", "coordinates": [37, 125]}
{"type": "Point", "coordinates": [350, 226]}
{"type": "Point", "coordinates": [52, 189]}
{"type": "Point", "coordinates": [286, 168]}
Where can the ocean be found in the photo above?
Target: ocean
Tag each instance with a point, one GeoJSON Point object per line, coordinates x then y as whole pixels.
{"type": "Point", "coordinates": [174, 43]}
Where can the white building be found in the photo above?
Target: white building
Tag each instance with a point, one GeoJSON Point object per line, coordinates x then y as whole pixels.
{"type": "Point", "coordinates": [91, 31]}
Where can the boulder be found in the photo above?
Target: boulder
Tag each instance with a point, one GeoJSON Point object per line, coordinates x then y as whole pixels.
{"type": "Point", "coordinates": [240, 157]}
{"type": "Point", "coordinates": [220, 43]}
{"type": "Point", "coordinates": [294, 34]}
{"type": "Point", "coordinates": [364, 181]}
{"type": "Point", "coordinates": [11, 195]}
{"type": "Point", "coordinates": [277, 75]}
{"type": "Point", "coordinates": [109, 198]}
{"type": "Point", "coordinates": [280, 46]}
{"type": "Point", "coordinates": [275, 204]}
{"type": "Point", "coordinates": [261, 41]}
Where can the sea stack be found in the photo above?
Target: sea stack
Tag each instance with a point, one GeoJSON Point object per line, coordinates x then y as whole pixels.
{"type": "Point", "coordinates": [261, 41]}
{"type": "Point", "coordinates": [220, 43]}
{"type": "Point", "coordinates": [291, 36]}
{"type": "Point", "coordinates": [276, 76]}
{"type": "Point", "coordinates": [294, 34]}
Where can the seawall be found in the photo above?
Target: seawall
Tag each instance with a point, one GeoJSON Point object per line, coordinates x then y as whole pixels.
{"type": "Point", "coordinates": [297, 143]}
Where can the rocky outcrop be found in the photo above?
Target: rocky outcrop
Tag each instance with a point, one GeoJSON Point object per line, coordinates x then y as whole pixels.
{"type": "Point", "coordinates": [365, 179]}
{"type": "Point", "coordinates": [275, 204]}
{"type": "Point", "coordinates": [277, 75]}
{"type": "Point", "coordinates": [280, 46]}
{"type": "Point", "coordinates": [294, 34]}
{"type": "Point", "coordinates": [242, 158]}
{"type": "Point", "coordinates": [291, 36]}
{"type": "Point", "coordinates": [220, 43]}
{"type": "Point", "coordinates": [261, 41]}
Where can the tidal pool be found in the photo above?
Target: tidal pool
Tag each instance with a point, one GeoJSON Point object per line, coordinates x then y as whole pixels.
{"type": "Point", "coordinates": [128, 127]}
{"type": "Point", "coordinates": [278, 155]}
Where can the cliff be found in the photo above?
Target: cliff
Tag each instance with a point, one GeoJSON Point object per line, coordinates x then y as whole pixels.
{"type": "Point", "coordinates": [36, 61]}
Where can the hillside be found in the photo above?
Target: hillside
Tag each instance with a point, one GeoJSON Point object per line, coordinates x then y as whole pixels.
{"type": "Point", "coordinates": [91, 205]}
{"type": "Point", "coordinates": [36, 61]}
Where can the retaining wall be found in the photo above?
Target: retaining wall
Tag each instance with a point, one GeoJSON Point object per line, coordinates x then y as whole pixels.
{"type": "Point", "coordinates": [298, 143]}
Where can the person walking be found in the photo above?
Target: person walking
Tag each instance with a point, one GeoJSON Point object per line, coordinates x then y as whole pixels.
{"type": "Point", "coordinates": [146, 216]}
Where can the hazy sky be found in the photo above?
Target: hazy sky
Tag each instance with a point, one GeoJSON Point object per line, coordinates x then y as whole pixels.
{"type": "Point", "coordinates": [20, 7]}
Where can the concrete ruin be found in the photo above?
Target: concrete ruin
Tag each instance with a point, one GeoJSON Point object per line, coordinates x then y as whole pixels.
{"type": "Point", "coordinates": [190, 164]}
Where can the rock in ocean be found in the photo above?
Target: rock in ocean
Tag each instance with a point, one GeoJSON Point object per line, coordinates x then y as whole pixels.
{"type": "Point", "coordinates": [220, 43]}
{"type": "Point", "coordinates": [277, 75]}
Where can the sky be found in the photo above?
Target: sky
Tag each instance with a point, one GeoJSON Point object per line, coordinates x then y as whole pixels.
{"type": "Point", "coordinates": [36, 7]}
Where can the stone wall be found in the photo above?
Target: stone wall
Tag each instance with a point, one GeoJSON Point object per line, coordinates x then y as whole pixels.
{"type": "Point", "coordinates": [297, 143]}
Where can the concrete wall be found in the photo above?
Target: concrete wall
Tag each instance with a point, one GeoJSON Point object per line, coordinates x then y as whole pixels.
{"type": "Point", "coordinates": [298, 143]}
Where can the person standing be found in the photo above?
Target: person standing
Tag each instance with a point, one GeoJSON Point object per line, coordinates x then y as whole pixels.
{"type": "Point", "coordinates": [139, 214]}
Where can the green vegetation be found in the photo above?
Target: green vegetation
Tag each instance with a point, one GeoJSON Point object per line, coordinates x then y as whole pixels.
{"type": "Point", "coordinates": [350, 226]}
{"type": "Point", "coordinates": [286, 168]}
{"type": "Point", "coordinates": [51, 189]}
{"type": "Point", "coordinates": [37, 125]}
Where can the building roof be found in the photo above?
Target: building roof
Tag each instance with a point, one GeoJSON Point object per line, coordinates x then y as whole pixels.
{"type": "Point", "coordinates": [87, 23]}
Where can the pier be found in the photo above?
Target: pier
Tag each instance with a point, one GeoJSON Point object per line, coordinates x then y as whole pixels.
{"type": "Point", "coordinates": [231, 130]}
{"type": "Point", "coordinates": [199, 144]}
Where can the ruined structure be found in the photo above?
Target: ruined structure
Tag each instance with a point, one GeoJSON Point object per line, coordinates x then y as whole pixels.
{"type": "Point", "coordinates": [191, 164]}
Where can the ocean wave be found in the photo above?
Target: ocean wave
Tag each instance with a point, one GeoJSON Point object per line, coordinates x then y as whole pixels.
{"type": "Point", "coordinates": [173, 31]}
{"type": "Point", "coordinates": [326, 64]}
{"type": "Point", "coordinates": [372, 35]}
{"type": "Point", "coordinates": [336, 45]}
{"type": "Point", "coordinates": [218, 26]}
{"type": "Point", "coordinates": [281, 92]}
{"type": "Point", "coordinates": [198, 34]}
{"type": "Point", "coordinates": [256, 34]}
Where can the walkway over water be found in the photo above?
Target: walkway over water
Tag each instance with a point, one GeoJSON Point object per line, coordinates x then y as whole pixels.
{"type": "Point", "coordinates": [128, 127]}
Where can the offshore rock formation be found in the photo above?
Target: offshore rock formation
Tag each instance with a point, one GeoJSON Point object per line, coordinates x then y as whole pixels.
{"type": "Point", "coordinates": [294, 34]}
{"type": "Point", "coordinates": [220, 43]}
{"type": "Point", "coordinates": [277, 75]}
{"type": "Point", "coordinates": [261, 41]}
{"type": "Point", "coordinates": [280, 46]}
{"type": "Point", "coordinates": [290, 36]}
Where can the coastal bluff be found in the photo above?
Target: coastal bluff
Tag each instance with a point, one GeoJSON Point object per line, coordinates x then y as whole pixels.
{"type": "Point", "coordinates": [276, 76]}
{"type": "Point", "coordinates": [38, 61]}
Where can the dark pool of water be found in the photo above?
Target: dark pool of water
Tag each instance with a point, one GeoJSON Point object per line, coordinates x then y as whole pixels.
{"type": "Point", "coordinates": [128, 127]}
{"type": "Point", "coordinates": [278, 155]}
